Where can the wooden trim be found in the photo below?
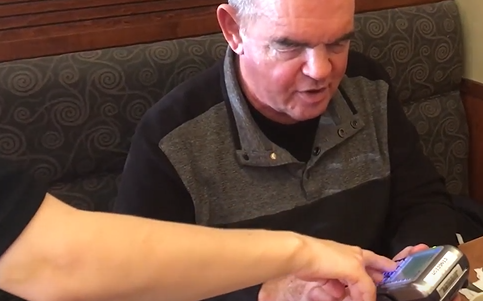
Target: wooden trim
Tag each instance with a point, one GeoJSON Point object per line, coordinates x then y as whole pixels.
{"type": "Point", "coordinates": [143, 29]}
{"type": "Point", "coordinates": [97, 12]}
{"type": "Point", "coordinates": [374, 5]}
{"type": "Point", "coordinates": [48, 27]}
{"type": "Point", "coordinates": [33, 28]}
{"type": "Point", "coordinates": [472, 95]}
{"type": "Point", "coordinates": [472, 88]}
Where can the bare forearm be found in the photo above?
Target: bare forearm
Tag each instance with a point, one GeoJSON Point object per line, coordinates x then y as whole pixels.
{"type": "Point", "coordinates": [69, 254]}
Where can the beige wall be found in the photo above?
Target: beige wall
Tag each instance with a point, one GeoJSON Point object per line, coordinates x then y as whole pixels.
{"type": "Point", "coordinates": [472, 18]}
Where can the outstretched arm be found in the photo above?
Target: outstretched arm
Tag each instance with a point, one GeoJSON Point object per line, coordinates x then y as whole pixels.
{"type": "Point", "coordinates": [66, 254]}
{"type": "Point", "coordinates": [50, 251]}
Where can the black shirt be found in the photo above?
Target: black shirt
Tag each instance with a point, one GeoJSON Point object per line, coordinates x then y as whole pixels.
{"type": "Point", "coordinates": [20, 198]}
{"type": "Point", "coordinates": [296, 138]}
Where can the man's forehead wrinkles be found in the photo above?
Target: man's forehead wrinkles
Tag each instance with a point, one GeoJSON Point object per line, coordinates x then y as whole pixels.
{"type": "Point", "coordinates": [302, 37]}
{"type": "Point", "coordinates": [282, 20]}
{"type": "Point", "coordinates": [304, 21]}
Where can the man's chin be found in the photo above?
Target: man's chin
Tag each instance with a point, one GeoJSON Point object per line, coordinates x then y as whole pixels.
{"type": "Point", "coordinates": [308, 114]}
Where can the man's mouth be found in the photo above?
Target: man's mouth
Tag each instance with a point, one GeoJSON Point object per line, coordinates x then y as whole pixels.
{"type": "Point", "coordinates": [313, 95]}
{"type": "Point", "coordinates": [314, 91]}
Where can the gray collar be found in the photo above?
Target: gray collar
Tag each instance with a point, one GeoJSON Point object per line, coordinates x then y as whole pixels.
{"type": "Point", "coordinates": [335, 125]}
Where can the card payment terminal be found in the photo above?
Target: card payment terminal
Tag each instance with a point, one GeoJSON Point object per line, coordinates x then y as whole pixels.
{"type": "Point", "coordinates": [435, 274]}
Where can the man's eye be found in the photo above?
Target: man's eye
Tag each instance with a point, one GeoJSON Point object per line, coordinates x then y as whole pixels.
{"type": "Point", "coordinates": [342, 43]}
{"type": "Point", "coordinates": [337, 46]}
{"type": "Point", "coordinates": [287, 48]}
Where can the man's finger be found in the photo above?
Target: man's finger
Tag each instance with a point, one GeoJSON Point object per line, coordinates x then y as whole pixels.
{"type": "Point", "coordinates": [334, 288]}
{"type": "Point", "coordinates": [410, 250]}
{"type": "Point", "coordinates": [318, 293]}
{"type": "Point", "coordinates": [347, 297]}
{"type": "Point", "coordinates": [404, 253]}
{"type": "Point", "coordinates": [377, 262]}
{"type": "Point", "coordinates": [418, 248]}
{"type": "Point", "coordinates": [457, 298]}
{"type": "Point", "coordinates": [363, 289]}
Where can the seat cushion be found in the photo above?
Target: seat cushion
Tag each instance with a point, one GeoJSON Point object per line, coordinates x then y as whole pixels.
{"type": "Point", "coordinates": [441, 124]}
{"type": "Point", "coordinates": [94, 193]}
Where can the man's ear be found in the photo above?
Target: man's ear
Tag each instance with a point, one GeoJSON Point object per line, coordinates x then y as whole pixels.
{"type": "Point", "coordinates": [230, 27]}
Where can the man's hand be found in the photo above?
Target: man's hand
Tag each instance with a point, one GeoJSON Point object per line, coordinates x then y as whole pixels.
{"type": "Point", "coordinates": [410, 250]}
{"type": "Point", "coordinates": [294, 289]}
{"type": "Point", "coordinates": [331, 271]}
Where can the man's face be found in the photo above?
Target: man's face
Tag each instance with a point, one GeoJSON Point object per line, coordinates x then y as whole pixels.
{"type": "Point", "coordinates": [294, 56]}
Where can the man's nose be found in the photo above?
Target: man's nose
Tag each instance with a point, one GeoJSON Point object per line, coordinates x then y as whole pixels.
{"type": "Point", "coordinates": [318, 65]}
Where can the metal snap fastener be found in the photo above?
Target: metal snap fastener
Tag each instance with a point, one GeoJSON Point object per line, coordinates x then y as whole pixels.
{"type": "Point", "coordinates": [273, 156]}
{"type": "Point", "coordinates": [354, 124]}
{"type": "Point", "coordinates": [245, 157]}
{"type": "Point", "coordinates": [341, 132]}
{"type": "Point", "coordinates": [316, 151]}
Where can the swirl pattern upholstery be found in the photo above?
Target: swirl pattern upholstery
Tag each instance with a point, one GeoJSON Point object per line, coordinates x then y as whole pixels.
{"type": "Point", "coordinates": [68, 119]}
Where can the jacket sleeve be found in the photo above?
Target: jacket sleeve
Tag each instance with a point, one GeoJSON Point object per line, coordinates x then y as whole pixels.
{"type": "Point", "coordinates": [150, 186]}
{"type": "Point", "coordinates": [421, 209]}
{"type": "Point", "coordinates": [20, 198]}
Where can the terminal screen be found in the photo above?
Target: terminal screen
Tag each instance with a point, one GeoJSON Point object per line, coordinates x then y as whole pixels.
{"type": "Point", "coordinates": [413, 265]}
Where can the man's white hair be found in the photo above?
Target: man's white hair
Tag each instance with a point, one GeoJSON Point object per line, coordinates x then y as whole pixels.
{"type": "Point", "coordinates": [243, 7]}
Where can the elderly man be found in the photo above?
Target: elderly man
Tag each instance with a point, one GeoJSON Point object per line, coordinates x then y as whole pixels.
{"type": "Point", "coordinates": [291, 130]}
